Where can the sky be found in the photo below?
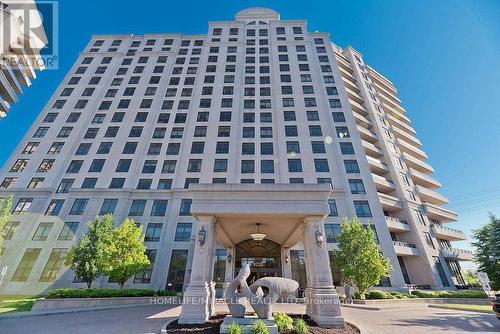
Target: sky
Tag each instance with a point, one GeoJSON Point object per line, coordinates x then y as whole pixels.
{"type": "Point", "coordinates": [443, 56]}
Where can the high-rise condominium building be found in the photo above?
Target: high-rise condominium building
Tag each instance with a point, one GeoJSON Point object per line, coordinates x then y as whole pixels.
{"type": "Point", "coordinates": [19, 52]}
{"type": "Point", "coordinates": [259, 124]}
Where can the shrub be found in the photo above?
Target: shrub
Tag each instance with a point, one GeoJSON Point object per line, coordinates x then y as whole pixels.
{"type": "Point", "coordinates": [233, 328]}
{"type": "Point", "coordinates": [300, 326]}
{"type": "Point", "coordinates": [106, 293]}
{"type": "Point", "coordinates": [378, 294]}
{"type": "Point", "coordinates": [283, 321]}
{"type": "Point", "coordinates": [259, 327]}
{"type": "Point", "coordinates": [399, 295]}
{"type": "Point", "coordinates": [449, 294]}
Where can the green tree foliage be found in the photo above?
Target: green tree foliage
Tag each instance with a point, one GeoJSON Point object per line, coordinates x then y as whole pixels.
{"type": "Point", "coordinates": [5, 210]}
{"type": "Point", "coordinates": [487, 244]}
{"type": "Point", "coordinates": [359, 257]}
{"type": "Point", "coordinates": [470, 277]}
{"type": "Point", "coordinates": [125, 256]}
{"type": "Point", "coordinates": [88, 257]}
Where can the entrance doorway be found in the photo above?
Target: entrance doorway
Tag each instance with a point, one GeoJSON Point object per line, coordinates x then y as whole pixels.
{"type": "Point", "coordinates": [263, 257]}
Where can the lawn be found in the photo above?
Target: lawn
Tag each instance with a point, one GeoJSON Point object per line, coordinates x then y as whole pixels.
{"type": "Point", "coordinates": [465, 307]}
{"type": "Point", "coordinates": [16, 303]}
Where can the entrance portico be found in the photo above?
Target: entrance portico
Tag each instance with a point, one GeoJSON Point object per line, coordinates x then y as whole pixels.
{"type": "Point", "coordinates": [287, 213]}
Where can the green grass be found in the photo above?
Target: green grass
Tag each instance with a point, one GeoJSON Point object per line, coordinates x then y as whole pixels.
{"type": "Point", "coordinates": [16, 303]}
{"type": "Point", "coordinates": [466, 307]}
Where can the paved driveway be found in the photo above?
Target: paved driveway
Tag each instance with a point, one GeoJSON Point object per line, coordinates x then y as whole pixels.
{"type": "Point", "coordinates": [421, 319]}
{"type": "Point", "coordinates": [400, 319]}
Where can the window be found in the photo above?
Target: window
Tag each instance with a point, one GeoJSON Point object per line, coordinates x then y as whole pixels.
{"type": "Point", "coordinates": [144, 276]}
{"type": "Point", "coordinates": [220, 165]}
{"type": "Point", "coordinates": [30, 148]}
{"type": "Point", "coordinates": [346, 148]}
{"type": "Point", "coordinates": [185, 209]}
{"type": "Point", "coordinates": [45, 165]}
{"type": "Point", "coordinates": [35, 183]}
{"type": "Point", "coordinates": [177, 269]}
{"type": "Point", "coordinates": [97, 165]}
{"type": "Point", "coordinates": [68, 231]}
{"type": "Point", "coordinates": [292, 147]}
{"type": "Point", "coordinates": [153, 232]}
{"type": "Point", "coordinates": [183, 232]}
{"type": "Point", "coordinates": [54, 207]}
{"type": "Point", "coordinates": [267, 166]}
{"type": "Point", "coordinates": [159, 208]}
{"type": "Point", "coordinates": [248, 166]}
{"type": "Point", "coordinates": [19, 165]}
{"type": "Point", "coordinates": [351, 166]}
{"type": "Point", "coordinates": [26, 265]}
{"type": "Point", "coordinates": [104, 148]}
{"type": "Point", "coordinates": [144, 184]}
{"type": "Point", "coordinates": [332, 231]}
{"type": "Point", "coordinates": [164, 184]}
{"type": "Point", "coordinates": [356, 186]}
{"type": "Point", "coordinates": [321, 165]}
{"type": "Point", "coordinates": [42, 231]}
{"type": "Point", "coordinates": [294, 165]}
{"type": "Point", "coordinates": [137, 207]}
{"type": "Point", "coordinates": [83, 149]}
{"type": "Point", "coordinates": [65, 186]}
{"type": "Point", "coordinates": [53, 266]}
{"type": "Point", "coordinates": [74, 166]}
{"type": "Point", "coordinates": [23, 205]}
{"type": "Point", "coordinates": [291, 131]}
{"type": "Point", "coordinates": [362, 209]}
{"type": "Point", "coordinates": [79, 206]}
{"type": "Point", "coordinates": [168, 166]}
{"type": "Point", "coordinates": [8, 182]}
{"type": "Point", "coordinates": [318, 147]}
{"type": "Point", "coordinates": [342, 132]}
{"type": "Point", "coordinates": [222, 147]}
{"type": "Point", "coordinates": [149, 166]}
{"type": "Point", "coordinates": [129, 148]}
{"type": "Point", "coordinates": [197, 148]}
{"type": "Point", "coordinates": [108, 206]}
{"type": "Point", "coordinates": [332, 205]}
{"type": "Point", "coordinates": [315, 131]}
{"type": "Point", "coordinates": [9, 230]}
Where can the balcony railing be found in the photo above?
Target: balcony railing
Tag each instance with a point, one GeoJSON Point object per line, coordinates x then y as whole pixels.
{"type": "Point", "coordinates": [456, 253]}
{"type": "Point", "coordinates": [403, 244]}
{"type": "Point", "coordinates": [448, 233]}
{"type": "Point", "coordinates": [395, 220]}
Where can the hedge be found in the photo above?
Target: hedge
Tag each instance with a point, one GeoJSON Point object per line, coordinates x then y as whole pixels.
{"type": "Point", "coordinates": [378, 294]}
{"type": "Point", "coordinates": [449, 294]}
{"type": "Point", "coordinates": [106, 293]}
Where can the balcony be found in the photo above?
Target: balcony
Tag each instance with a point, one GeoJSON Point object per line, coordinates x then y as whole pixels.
{"type": "Point", "coordinates": [367, 134]}
{"type": "Point", "coordinates": [417, 164]}
{"type": "Point", "coordinates": [351, 84]}
{"type": "Point", "coordinates": [440, 214]}
{"type": "Point", "coordinates": [354, 95]}
{"type": "Point", "coordinates": [406, 136]}
{"type": "Point", "coordinates": [372, 150]}
{"type": "Point", "coordinates": [447, 233]}
{"type": "Point", "coordinates": [396, 224]}
{"type": "Point", "coordinates": [389, 203]}
{"type": "Point", "coordinates": [377, 166]}
{"type": "Point", "coordinates": [411, 150]}
{"type": "Point", "coordinates": [456, 254]}
{"type": "Point", "coordinates": [382, 184]}
{"type": "Point", "coordinates": [405, 248]}
{"type": "Point", "coordinates": [361, 120]}
{"type": "Point", "coordinates": [6, 90]}
{"type": "Point", "coordinates": [357, 107]}
{"type": "Point", "coordinates": [423, 179]}
{"type": "Point", "coordinates": [347, 74]}
{"type": "Point", "coordinates": [400, 123]}
{"type": "Point", "coordinates": [431, 196]}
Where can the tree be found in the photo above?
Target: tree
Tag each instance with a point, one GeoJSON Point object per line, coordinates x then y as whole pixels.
{"type": "Point", "coordinates": [87, 258]}
{"type": "Point", "coordinates": [125, 256]}
{"type": "Point", "coordinates": [470, 277]}
{"type": "Point", "coordinates": [487, 255]}
{"type": "Point", "coordinates": [5, 210]}
{"type": "Point", "coordinates": [359, 257]}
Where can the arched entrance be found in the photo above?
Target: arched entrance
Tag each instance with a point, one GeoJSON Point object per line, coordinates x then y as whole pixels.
{"type": "Point", "coordinates": [263, 257]}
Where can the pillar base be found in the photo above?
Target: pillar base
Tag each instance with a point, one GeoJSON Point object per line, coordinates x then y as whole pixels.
{"type": "Point", "coordinates": [197, 304]}
{"type": "Point", "coordinates": [323, 306]}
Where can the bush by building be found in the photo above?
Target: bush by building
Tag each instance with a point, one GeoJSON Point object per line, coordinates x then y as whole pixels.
{"type": "Point", "coordinates": [106, 293]}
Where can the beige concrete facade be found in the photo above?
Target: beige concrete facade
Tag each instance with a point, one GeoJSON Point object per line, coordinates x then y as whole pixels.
{"type": "Point", "coordinates": [160, 126]}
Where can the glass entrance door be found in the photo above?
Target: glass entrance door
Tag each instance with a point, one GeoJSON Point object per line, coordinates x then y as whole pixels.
{"type": "Point", "coordinates": [263, 257]}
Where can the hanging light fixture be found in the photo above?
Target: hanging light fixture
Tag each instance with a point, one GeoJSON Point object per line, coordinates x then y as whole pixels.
{"type": "Point", "coordinates": [258, 236]}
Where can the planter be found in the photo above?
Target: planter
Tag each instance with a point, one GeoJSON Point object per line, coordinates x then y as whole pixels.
{"type": "Point", "coordinates": [96, 303]}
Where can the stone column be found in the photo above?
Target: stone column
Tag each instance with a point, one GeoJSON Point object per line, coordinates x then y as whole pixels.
{"type": "Point", "coordinates": [198, 301]}
{"type": "Point", "coordinates": [286, 266]}
{"type": "Point", "coordinates": [229, 276]}
{"type": "Point", "coordinates": [322, 301]}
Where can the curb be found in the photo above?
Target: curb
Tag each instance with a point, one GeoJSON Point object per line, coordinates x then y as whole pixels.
{"type": "Point", "coordinates": [460, 309]}
{"type": "Point", "coordinates": [361, 307]}
{"type": "Point", "coordinates": [62, 311]}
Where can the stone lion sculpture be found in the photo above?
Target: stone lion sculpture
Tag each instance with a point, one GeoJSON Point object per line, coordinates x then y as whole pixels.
{"type": "Point", "coordinates": [260, 301]}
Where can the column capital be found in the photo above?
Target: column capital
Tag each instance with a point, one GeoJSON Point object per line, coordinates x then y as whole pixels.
{"type": "Point", "coordinates": [206, 219]}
